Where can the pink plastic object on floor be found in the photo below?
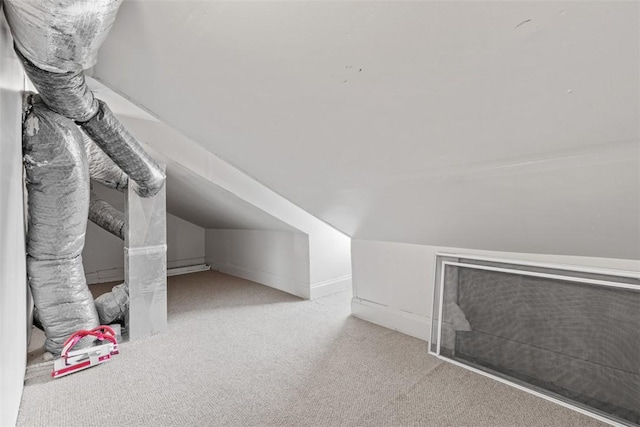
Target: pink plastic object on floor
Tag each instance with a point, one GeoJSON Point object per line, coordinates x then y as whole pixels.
{"type": "Point", "coordinates": [78, 360]}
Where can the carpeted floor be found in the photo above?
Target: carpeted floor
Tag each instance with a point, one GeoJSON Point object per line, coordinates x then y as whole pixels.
{"type": "Point", "coordinates": [242, 354]}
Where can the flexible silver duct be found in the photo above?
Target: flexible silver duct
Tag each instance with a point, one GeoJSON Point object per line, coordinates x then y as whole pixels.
{"type": "Point", "coordinates": [56, 40]}
{"type": "Point", "coordinates": [69, 95]}
{"type": "Point", "coordinates": [106, 216]}
{"type": "Point", "coordinates": [101, 167]}
{"type": "Point", "coordinates": [113, 306]}
{"type": "Point", "coordinates": [112, 137]}
{"type": "Point", "coordinates": [56, 173]}
{"type": "Point", "coordinates": [60, 35]}
{"type": "Point", "coordinates": [65, 93]}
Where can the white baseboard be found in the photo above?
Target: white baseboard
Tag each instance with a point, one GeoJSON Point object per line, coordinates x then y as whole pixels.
{"type": "Point", "coordinates": [117, 274]}
{"type": "Point", "coordinates": [331, 286]}
{"type": "Point", "coordinates": [175, 271]}
{"type": "Point", "coordinates": [407, 323]}
{"type": "Point", "coordinates": [284, 284]}
{"type": "Point", "coordinates": [105, 276]}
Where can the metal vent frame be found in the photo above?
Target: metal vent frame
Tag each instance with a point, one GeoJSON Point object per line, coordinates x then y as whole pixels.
{"type": "Point", "coordinates": [585, 275]}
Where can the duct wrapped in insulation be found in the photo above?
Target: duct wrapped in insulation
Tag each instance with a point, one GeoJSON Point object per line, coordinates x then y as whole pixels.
{"type": "Point", "coordinates": [102, 169]}
{"type": "Point", "coordinates": [56, 174]}
{"type": "Point", "coordinates": [61, 35]}
{"type": "Point", "coordinates": [113, 306]}
{"type": "Point", "coordinates": [114, 139]}
{"type": "Point", "coordinates": [56, 40]}
{"type": "Point", "coordinates": [65, 93]}
{"type": "Point", "coordinates": [106, 216]}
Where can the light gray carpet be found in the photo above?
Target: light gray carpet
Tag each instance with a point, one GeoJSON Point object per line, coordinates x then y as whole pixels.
{"type": "Point", "coordinates": [242, 354]}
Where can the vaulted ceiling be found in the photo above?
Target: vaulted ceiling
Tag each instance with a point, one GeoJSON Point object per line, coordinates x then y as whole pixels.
{"type": "Point", "coordinates": [508, 126]}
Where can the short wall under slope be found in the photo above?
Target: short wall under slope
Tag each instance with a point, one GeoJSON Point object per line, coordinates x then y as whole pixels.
{"type": "Point", "coordinates": [393, 282]}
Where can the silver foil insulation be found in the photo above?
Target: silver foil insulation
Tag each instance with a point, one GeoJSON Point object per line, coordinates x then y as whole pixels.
{"type": "Point", "coordinates": [65, 93]}
{"type": "Point", "coordinates": [102, 169]}
{"type": "Point", "coordinates": [57, 175]}
{"type": "Point", "coordinates": [113, 306]}
{"type": "Point", "coordinates": [56, 40]}
{"type": "Point", "coordinates": [106, 216]}
{"type": "Point", "coordinates": [60, 35]}
{"type": "Point", "coordinates": [125, 151]}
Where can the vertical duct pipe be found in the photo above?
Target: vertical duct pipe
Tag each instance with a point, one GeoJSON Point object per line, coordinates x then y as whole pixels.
{"type": "Point", "coordinates": [56, 40]}
{"type": "Point", "coordinates": [57, 174]}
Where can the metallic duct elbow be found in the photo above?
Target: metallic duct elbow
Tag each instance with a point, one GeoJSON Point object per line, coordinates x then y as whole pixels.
{"type": "Point", "coordinates": [65, 93]}
{"type": "Point", "coordinates": [57, 173]}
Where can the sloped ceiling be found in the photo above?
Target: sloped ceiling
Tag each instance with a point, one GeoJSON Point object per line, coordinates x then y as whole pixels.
{"type": "Point", "coordinates": [190, 196]}
{"type": "Point", "coordinates": [509, 126]}
{"type": "Point", "coordinates": [203, 203]}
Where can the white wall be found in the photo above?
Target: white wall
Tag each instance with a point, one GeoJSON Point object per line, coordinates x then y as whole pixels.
{"type": "Point", "coordinates": [13, 280]}
{"type": "Point", "coordinates": [330, 258]}
{"type": "Point", "coordinates": [103, 257]}
{"type": "Point", "coordinates": [282, 260]}
{"type": "Point", "coordinates": [279, 259]}
{"type": "Point", "coordinates": [393, 282]}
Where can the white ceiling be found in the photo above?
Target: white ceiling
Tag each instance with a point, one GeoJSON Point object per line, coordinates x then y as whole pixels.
{"type": "Point", "coordinates": [508, 126]}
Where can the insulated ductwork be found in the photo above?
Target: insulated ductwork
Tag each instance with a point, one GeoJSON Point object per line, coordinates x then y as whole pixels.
{"type": "Point", "coordinates": [112, 137]}
{"type": "Point", "coordinates": [106, 216]}
{"type": "Point", "coordinates": [61, 35]}
{"type": "Point", "coordinates": [113, 306]}
{"type": "Point", "coordinates": [102, 169]}
{"type": "Point", "coordinates": [56, 174]}
{"type": "Point", "coordinates": [56, 40]}
{"type": "Point", "coordinates": [65, 93]}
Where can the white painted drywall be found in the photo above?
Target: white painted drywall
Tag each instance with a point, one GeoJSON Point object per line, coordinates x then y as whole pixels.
{"type": "Point", "coordinates": [13, 274]}
{"type": "Point", "coordinates": [279, 259]}
{"type": "Point", "coordinates": [103, 256]}
{"type": "Point", "coordinates": [505, 126]}
{"type": "Point", "coordinates": [393, 282]}
{"type": "Point", "coordinates": [303, 265]}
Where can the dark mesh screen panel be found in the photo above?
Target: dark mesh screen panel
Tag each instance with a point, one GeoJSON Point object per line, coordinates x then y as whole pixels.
{"type": "Point", "coordinates": [579, 342]}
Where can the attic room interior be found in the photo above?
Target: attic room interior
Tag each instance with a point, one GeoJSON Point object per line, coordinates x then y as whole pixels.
{"type": "Point", "coordinates": [319, 213]}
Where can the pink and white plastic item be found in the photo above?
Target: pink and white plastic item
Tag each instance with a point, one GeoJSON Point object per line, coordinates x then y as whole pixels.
{"type": "Point", "coordinates": [78, 360]}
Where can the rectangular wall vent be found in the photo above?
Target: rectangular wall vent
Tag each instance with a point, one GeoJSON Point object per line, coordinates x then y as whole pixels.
{"type": "Point", "coordinates": [567, 334]}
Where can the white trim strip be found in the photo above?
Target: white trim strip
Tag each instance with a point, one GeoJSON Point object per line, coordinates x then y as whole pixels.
{"type": "Point", "coordinates": [442, 269]}
{"type": "Point", "coordinates": [594, 270]}
{"type": "Point", "coordinates": [535, 393]}
{"type": "Point", "coordinates": [187, 269]}
{"type": "Point", "coordinates": [545, 275]}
